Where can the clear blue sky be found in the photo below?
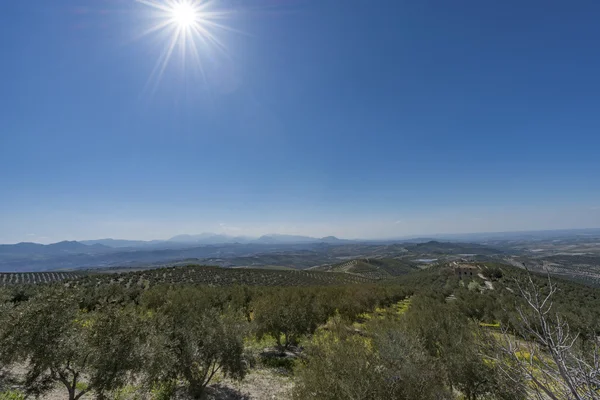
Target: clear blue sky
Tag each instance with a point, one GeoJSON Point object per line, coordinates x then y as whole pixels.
{"type": "Point", "coordinates": [355, 118]}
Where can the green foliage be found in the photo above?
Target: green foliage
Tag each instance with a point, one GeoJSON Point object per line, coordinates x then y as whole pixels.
{"type": "Point", "coordinates": [32, 278]}
{"type": "Point", "coordinates": [451, 339]}
{"type": "Point", "coordinates": [492, 273]}
{"type": "Point", "coordinates": [338, 369]}
{"type": "Point", "coordinates": [371, 268]}
{"type": "Point", "coordinates": [192, 341]}
{"type": "Point", "coordinates": [163, 390]}
{"type": "Point", "coordinates": [400, 338]}
{"type": "Point", "coordinates": [271, 361]}
{"type": "Point", "coordinates": [287, 313]}
{"type": "Point", "coordinates": [62, 344]}
{"type": "Point", "coordinates": [128, 392]}
{"type": "Point", "coordinates": [385, 364]}
{"type": "Point", "coordinates": [473, 286]}
{"type": "Point", "coordinates": [216, 276]}
{"type": "Point", "coordinates": [12, 395]}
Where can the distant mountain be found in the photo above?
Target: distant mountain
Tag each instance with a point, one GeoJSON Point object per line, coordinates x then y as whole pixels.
{"type": "Point", "coordinates": [214, 238]}
{"type": "Point", "coordinates": [270, 250]}
{"type": "Point", "coordinates": [297, 239]}
{"type": "Point", "coordinates": [333, 240]}
{"type": "Point", "coordinates": [284, 239]}
{"type": "Point", "coordinates": [209, 238]}
{"type": "Point", "coordinates": [191, 238]}
{"type": "Point", "coordinates": [71, 246]}
{"type": "Point", "coordinates": [60, 248]}
{"type": "Point", "coordinates": [121, 243]}
{"type": "Point", "coordinates": [186, 240]}
{"type": "Point", "coordinates": [435, 247]}
{"type": "Point", "coordinates": [479, 237]}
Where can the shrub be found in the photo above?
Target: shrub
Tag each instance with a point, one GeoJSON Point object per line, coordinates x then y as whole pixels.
{"type": "Point", "coordinates": [385, 364]}
{"type": "Point", "coordinates": [493, 274]}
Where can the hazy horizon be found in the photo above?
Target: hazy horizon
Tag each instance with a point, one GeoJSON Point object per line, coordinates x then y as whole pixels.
{"type": "Point", "coordinates": [32, 238]}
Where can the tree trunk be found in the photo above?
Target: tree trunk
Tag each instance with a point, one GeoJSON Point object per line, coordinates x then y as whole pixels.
{"type": "Point", "coordinates": [196, 390]}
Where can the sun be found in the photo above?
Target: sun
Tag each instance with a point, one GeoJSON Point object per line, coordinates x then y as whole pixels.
{"type": "Point", "coordinates": [192, 29]}
{"type": "Point", "coordinates": [184, 14]}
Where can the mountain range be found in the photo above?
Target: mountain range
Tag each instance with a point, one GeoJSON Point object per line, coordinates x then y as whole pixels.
{"type": "Point", "coordinates": [213, 239]}
{"type": "Point", "coordinates": [38, 251]}
{"type": "Point", "coordinates": [269, 250]}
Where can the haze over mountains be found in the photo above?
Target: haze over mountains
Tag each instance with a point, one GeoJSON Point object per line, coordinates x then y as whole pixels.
{"type": "Point", "coordinates": [111, 252]}
{"type": "Point", "coordinates": [278, 250]}
{"type": "Point", "coordinates": [213, 238]}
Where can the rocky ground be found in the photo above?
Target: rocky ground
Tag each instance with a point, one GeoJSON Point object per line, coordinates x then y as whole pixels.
{"type": "Point", "coordinates": [260, 383]}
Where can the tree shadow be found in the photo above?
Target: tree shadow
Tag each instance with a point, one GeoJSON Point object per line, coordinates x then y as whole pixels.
{"type": "Point", "coordinates": [7, 380]}
{"type": "Point", "coordinates": [221, 392]}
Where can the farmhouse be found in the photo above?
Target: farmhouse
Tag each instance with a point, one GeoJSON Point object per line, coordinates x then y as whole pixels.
{"type": "Point", "coordinates": [466, 270]}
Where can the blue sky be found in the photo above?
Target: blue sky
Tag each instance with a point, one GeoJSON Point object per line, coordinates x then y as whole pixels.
{"type": "Point", "coordinates": [354, 118]}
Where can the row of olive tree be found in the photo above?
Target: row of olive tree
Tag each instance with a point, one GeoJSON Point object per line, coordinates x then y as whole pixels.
{"type": "Point", "coordinates": [437, 351]}
{"type": "Point", "coordinates": [101, 339]}
{"type": "Point", "coordinates": [430, 352]}
{"type": "Point", "coordinates": [287, 314]}
{"type": "Point", "coordinates": [165, 337]}
{"type": "Point", "coordinates": [60, 344]}
{"type": "Point", "coordinates": [184, 340]}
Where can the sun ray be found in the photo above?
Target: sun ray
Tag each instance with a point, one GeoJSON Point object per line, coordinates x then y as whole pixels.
{"type": "Point", "coordinates": [162, 62]}
{"type": "Point", "coordinates": [224, 27]}
{"type": "Point", "coordinates": [205, 33]}
{"type": "Point", "coordinates": [154, 29]}
{"type": "Point", "coordinates": [167, 56]}
{"type": "Point", "coordinates": [156, 5]}
{"type": "Point", "coordinates": [197, 60]}
{"type": "Point", "coordinates": [191, 29]}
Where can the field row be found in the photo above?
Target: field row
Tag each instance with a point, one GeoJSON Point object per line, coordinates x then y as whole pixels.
{"type": "Point", "coordinates": [35, 277]}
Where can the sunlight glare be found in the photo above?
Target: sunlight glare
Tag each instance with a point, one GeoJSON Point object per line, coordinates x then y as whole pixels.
{"type": "Point", "coordinates": [184, 14]}
{"type": "Point", "coordinates": [188, 27]}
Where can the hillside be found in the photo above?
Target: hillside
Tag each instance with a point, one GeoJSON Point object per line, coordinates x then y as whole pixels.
{"type": "Point", "coordinates": [371, 268]}
{"type": "Point", "coordinates": [286, 331]}
{"type": "Point", "coordinates": [217, 276]}
{"type": "Point", "coordinates": [27, 278]}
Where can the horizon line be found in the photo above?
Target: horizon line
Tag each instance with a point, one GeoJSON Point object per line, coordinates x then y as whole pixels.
{"type": "Point", "coordinates": [398, 238]}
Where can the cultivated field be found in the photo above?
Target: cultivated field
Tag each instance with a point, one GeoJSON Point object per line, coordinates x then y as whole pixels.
{"type": "Point", "coordinates": [36, 277]}
{"type": "Point", "coordinates": [216, 276]}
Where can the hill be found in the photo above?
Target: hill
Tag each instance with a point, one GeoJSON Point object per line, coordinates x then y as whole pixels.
{"type": "Point", "coordinates": [371, 268]}
{"type": "Point", "coordinates": [217, 276]}
{"type": "Point", "coordinates": [65, 247]}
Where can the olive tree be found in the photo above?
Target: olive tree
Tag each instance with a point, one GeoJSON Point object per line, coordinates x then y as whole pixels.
{"type": "Point", "coordinates": [191, 341]}
{"type": "Point", "coordinates": [6, 353]}
{"type": "Point", "coordinates": [382, 363]}
{"type": "Point", "coordinates": [62, 345]}
{"type": "Point", "coordinates": [452, 341]}
{"type": "Point", "coordinates": [287, 313]}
